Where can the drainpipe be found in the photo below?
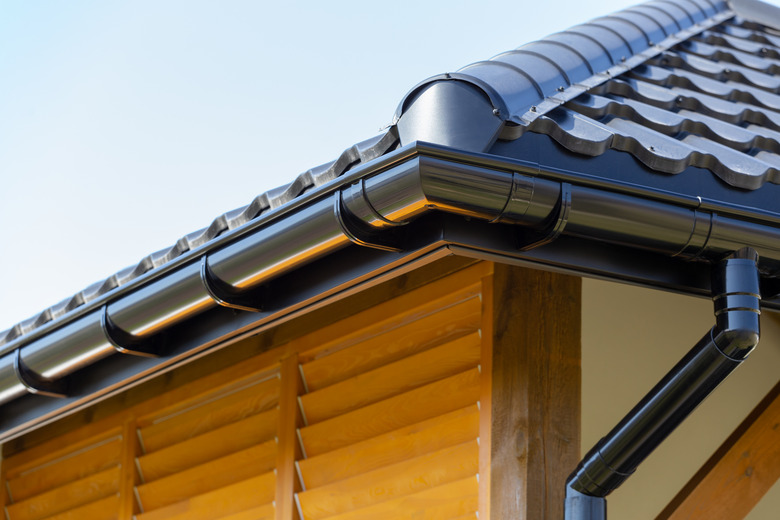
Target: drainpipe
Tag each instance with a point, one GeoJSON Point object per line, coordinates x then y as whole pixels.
{"type": "Point", "coordinates": [735, 334]}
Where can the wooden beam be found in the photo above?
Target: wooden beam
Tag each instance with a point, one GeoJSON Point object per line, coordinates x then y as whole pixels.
{"type": "Point", "coordinates": [740, 471]}
{"type": "Point", "coordinates": [288, 449]}
{"type": "Point", "coordinates": [536, 373]}
{"type": "Point", "coordinates": [127, 482]}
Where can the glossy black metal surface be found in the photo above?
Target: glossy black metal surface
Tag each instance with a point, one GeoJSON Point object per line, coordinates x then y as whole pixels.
{"type": "Point", "coordinates": [225, 294]}
{"type": "Point", "coordinates": [127, 343]}
{"type": "Point", "coordinates": [36, 384]}
{"type": "Point", "coordinates": [735, 334]}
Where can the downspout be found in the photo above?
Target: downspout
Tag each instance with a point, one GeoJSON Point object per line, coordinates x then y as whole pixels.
{"type": "Point", "coordinates": [735, 294]}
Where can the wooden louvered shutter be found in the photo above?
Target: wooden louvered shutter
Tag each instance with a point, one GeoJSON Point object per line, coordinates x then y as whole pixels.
{"type": "Point", "coordinates": [211, 455]}
{"type": "Point", "coordinates": [206, 450]}
{"type": "Point", "coordinates": [70, 480]}
{"type": "Point", "coordinates": [391, 412]}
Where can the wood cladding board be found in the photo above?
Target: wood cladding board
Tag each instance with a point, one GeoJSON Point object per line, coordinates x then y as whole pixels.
{"type": "Point", "coordinates": [404, 443]}
{"type": "Point", "coordinates": [236, 498]}
{"type": "Point", "coordinates": [392, 413]}
{"type": "Point", "coordinates": [379, 415]}
{"type": "Point", "coordinates": [209, 413]}
{"type": "Point", "coordinates": [61, 483]}
{"type": "Point", "coordinates": [211, 445]}
{"type": "Point", "coordinates": [445, 502]}
{"type": "Point", "coordinates": [68, 496]}
{"type": "Point", "coordinates": [210, 448]}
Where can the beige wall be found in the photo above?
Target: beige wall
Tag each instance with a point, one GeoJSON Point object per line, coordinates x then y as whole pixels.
{"type": "Point", "coordinates": [631, 338]}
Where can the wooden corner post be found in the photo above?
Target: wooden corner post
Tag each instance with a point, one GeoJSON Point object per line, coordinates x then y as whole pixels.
{"type": "Point", "coordinates": [534, 319]}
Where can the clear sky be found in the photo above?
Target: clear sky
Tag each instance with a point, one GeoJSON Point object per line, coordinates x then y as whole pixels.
{"type": "Point", "coordinates": [126, 125]}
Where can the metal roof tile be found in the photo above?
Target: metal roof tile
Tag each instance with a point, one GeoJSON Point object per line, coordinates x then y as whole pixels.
{"type": "Point", "coordinates": [672, 10]}
{"type": "Point", "coordinates": [662, 17]}
{"type": "Point", "coordinates": [737, 43]}
{"type": "Point", "coordinates": [548, 76]}
{"type": "Point", "coordinates": [356, 154]}
{"type": "Point", "coordinates": [591, 50]}
{"type": "Point", "coordinates": [572, 63]}
{"type": "Point", "coordinates": [730, 55]}
{"type": "Point", "coordinates": [653, 29]}
{"type": "Point", "coordinates": [723, 71]}
{"type": "Point", "coordinates": [733, 167]}
{"type": "Point", "coordinates": [694, 11]}
{"type": "Point", "coordinates": [618, 47]}
{"type": "Point", "coordinates": [731, 90]}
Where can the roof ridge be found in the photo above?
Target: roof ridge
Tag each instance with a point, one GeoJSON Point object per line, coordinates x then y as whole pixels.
{"type": "Point", "coordinates": [530, 81]}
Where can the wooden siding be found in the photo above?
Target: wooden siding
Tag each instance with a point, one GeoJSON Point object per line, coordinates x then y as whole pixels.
{"type": "Point", "coordinates": [384, 414]}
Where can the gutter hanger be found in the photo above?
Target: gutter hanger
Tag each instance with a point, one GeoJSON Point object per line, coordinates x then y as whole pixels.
{"type": "Point", "coordinates": [371, 212]}
{"type": "Point", "coordinates": [735, 334]}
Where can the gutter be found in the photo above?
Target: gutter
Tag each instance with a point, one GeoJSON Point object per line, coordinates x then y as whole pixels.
{"type": "Point", "coordinates": [735, 334]}
{"type": "Point", "coordinates": [374, 211]}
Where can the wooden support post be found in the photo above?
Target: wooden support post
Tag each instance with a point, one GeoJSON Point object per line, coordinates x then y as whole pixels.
{"type": "Point", "coordinates": [288, 449]}
{"type": "Point", "coordinates": [739, 473]}
{"type": "Point", "coordinates": [127, 480]}
{"type": "Point", "coordinates": [535, 437]}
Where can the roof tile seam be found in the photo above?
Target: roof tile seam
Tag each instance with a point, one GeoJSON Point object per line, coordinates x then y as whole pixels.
{"type": "Point", "coordinates": [666, 13]}
{"type": "Point", "coordinates": [738, 141]}
{"type": "Point", "coordinates": [574, 90]}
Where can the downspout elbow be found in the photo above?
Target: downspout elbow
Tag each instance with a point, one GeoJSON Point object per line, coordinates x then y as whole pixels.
{"type": "Point", "coordinates": [736, 298]}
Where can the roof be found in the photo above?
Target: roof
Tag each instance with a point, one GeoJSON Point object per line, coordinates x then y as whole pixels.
{"type": "Point", "coordinates": [669, 109]}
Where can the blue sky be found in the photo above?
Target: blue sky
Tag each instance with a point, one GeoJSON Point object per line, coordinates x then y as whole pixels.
{"type": "Point", "coordinates": [125, 125]}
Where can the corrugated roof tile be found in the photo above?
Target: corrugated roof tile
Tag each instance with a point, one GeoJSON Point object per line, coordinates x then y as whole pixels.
{"type": "Point", "coordinates": [356, 154]}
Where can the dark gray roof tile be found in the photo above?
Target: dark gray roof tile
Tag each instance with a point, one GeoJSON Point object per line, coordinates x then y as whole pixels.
{"type": "Point", "coordinates": [725, 71]}
{"type": "Point", "coordinates": [679, 15]}
{"type": "Point", "coordinates": [591, 50]}
{"type": "Point", "coordinates": [655, 29]}
{"type": "Point", "coordinates": [361, 152]}
{"type": "Point", "coordinates": [730, 55]}
{"type": "Point", "coordinates": [731, 90]}
{"type": "Point", "coordinates": [740, 44]}
{"type": "Point", "coordinates": [572, 63]}
{"type": "Point", "coordinates": [617, 46]}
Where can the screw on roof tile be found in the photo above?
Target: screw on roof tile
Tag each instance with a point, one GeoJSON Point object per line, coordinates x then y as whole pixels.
{"type": "Point", "coordinates": [680, 99]}
{"type": "Point", "coordinates": [622, 58]}
{"type": "Point", "coordinates": [496, 112]}
{"type": "Point", "coordinates": [561, 89]}
{"type": "Point", "coordinates": [726, 71]}
{"type": "Point", "coordinates": [533, 108]}
{"type": "Point", "coordinates": [651, 148]}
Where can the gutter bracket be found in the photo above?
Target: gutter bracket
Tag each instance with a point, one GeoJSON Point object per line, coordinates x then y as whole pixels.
{"type": "Point", "coordinates": [34, 383]}
{"type": "Point", "coordinates": [127, 343]}
{"type": "Point", "coordinates": [555, 225]}
{"type": "Point", "coordinates": [225, 294]}
{"type": "Point", "coordinates": [360, 232]}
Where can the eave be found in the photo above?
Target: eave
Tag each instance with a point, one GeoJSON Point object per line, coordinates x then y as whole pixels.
{"type": "Point", "coordinates": [412, 206]}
